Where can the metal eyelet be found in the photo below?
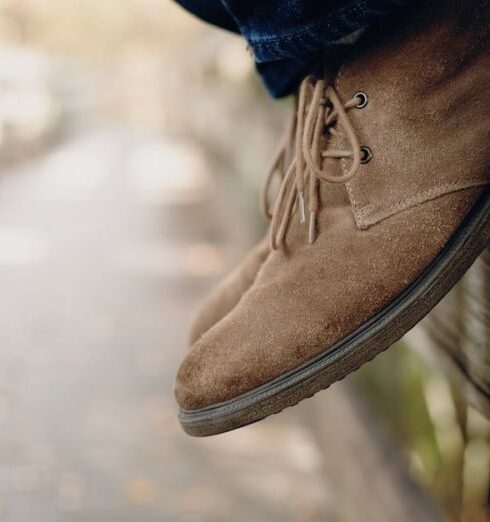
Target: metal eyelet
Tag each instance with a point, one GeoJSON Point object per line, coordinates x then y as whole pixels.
{"type": "Point", "coordinates": [366, 155]}
{"type": "Point", "coordinates": [363, 99]}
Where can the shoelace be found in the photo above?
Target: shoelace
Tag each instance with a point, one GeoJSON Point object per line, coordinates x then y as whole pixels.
{"type": "Point", "coordinates": [318, 111]}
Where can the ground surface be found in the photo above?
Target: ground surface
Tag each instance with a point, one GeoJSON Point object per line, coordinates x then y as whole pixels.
{"type": "Point", "coordinates": [107, 244]}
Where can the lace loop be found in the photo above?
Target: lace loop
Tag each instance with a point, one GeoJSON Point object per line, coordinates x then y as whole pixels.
{"type": "Point", "coordinates": [318, 112]}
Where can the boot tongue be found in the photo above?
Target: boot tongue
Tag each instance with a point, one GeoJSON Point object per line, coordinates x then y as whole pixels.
{"type": "Point", "coordinates": [333, 194]}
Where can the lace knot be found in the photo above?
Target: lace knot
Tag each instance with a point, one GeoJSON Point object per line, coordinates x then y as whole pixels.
{"type": "Point", "coordinates": [300, 162]}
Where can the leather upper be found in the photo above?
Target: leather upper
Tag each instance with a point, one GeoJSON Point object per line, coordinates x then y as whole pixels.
{"type": "Point", "coordinates": [427, 120]}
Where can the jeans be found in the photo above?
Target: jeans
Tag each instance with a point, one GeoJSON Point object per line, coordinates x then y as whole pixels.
{"type": "Point", "coordinates": [287, 37]}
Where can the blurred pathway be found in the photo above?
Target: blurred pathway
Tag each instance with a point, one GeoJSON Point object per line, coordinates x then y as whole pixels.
{"type": "Point", "coordinates": [106, 246]}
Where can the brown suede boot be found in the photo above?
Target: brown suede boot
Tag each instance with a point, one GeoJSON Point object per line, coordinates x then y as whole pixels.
{"type": "Point", "coordinates": [228, 292]}
{"type": "Point", "coordinates": [394, 168]}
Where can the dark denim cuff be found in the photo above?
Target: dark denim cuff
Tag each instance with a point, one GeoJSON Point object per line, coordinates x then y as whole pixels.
{"type": "Point", "coordinates": [288, 36]}
{"type": "Point", "coordinates": [316, 28]}
{"type": "Point", "coordinates": [211, 11]}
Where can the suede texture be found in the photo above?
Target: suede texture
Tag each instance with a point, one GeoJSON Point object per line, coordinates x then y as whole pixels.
{"type": "Point", "coordinates": [430, 165]}
{"type": "Point", "coordinates": [225, 296]}
{"type": "Point", "coordinates": [431, 108]}
{"type": "Point", "coordinates": [309, 297]}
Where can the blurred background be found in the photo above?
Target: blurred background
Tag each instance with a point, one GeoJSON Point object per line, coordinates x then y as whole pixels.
{"type": "Point", "coordinates": [133, 142]}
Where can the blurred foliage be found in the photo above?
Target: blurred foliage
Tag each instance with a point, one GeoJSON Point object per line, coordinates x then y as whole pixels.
{"type": "Point", "coordinates": [446, 442]}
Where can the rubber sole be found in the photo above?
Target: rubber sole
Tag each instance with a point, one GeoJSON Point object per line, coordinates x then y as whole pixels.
{"type": "Point", "coordinates": [359, 347]}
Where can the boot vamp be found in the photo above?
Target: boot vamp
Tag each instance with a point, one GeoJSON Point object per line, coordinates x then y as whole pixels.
{"type": "Point", "coordinates": [307, 297]}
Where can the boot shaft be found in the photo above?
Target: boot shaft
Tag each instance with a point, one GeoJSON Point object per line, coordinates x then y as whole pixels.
{"type": "Point", "coordinates": [427, 118]}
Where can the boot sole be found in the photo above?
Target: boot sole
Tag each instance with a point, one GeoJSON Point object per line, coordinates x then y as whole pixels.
{"type": "Point", "coordinates": [359, 347]}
